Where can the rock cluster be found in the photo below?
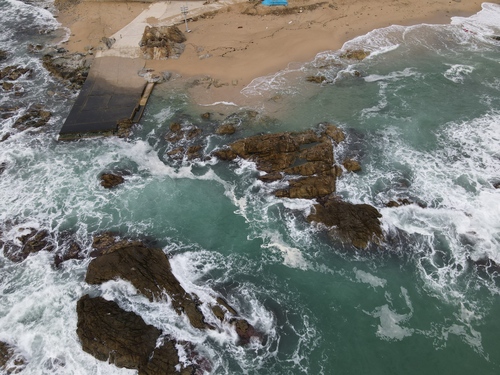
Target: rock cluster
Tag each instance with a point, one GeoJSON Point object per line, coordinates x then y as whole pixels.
{"type": "Point", "coordinates": [33, 240]}
{"type": "Point", "coordinates": [72, 67]}
{"type": "Point", "coordinates": [35, 117]}
{"type": "Point", "coordinates": [123, 338]}
{"type": "Point", "coordinates": [305, 162]}
{"type": "Point", "coordinates": [161, 43]}
{"type": "Point", "coordinates": [10, 361]}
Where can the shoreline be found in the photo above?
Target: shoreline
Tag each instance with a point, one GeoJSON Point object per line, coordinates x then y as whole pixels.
{"type": "Point", "coordinates": [244, 41]}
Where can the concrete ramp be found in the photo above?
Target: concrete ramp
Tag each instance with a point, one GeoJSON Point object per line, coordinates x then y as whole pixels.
{"type": "Point", "coordinates": [112, 92]}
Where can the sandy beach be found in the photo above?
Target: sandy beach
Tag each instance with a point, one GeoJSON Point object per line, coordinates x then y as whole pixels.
{"type": "Point", "coordinates": [246, 40]}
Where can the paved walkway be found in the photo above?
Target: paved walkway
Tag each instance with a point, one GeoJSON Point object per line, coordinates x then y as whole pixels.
{"type": "Point", "coordinates": [113, 89]}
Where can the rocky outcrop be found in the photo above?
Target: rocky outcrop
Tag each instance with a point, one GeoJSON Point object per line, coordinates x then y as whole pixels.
{"type": "Point", "coordinates": [148, 269]}
{"type": "Point", "coordinates": [161, 43]}
{"type": "Point", "coordinates": [10, 361]}
{"type": "Point", "coordinates": [122, 338]}
{"type": "Point", "coordinates": [71, 67]}
{"type": "Point", "coordinates": [358, 224]}
{"type": "Point", "coordinates": [29, 243]}
{"type": "Point", "coordinates": [288, 155]}
{"type": "Point", "coordinates": [305, 162]}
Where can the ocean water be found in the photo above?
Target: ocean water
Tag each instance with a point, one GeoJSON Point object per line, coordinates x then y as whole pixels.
{"type": "Point", "coordinates": [422, 117]}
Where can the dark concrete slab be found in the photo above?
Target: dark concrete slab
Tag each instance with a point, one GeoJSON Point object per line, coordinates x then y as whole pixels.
{"type": "Point", "coordinates": [111, 93]}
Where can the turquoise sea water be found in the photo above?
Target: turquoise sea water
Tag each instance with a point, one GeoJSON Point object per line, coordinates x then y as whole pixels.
{"type": "Point", "coordinates": [424, 122]}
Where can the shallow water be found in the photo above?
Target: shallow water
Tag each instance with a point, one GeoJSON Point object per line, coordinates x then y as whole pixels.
{"type": "Point", "coordinates": [424, 121]}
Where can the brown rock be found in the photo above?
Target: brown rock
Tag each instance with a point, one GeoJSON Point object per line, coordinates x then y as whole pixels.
{"type": "Point", "coordinates": [356, 223]}
{"type": "Point", "coordinates": [164, 361]}
{"type": "Point", "coordinates": [110, 180]}
{"type": "Point", "coordinates": [124, 128]}
{"type": "Point", "coordinates": [175, 127]}
{"type": "Point", "coordinates": [149, 271]}
{"type": "Point", "coordinates": [160, 43]}
{"type": "Point", "coordinates": [3, 55]}
{"type": "Point", "coordinates": [7, 86]}
{"type": "Point", "coordinates": [111, 334]}
{"type": "Point", "coordinates": [334, 133]}
{"type": "Point", "coordinates": [309, 187]}
{"type": "Point", "coordinates": [226, 129]}
{"type": "Point", "coordinates": [322, 152]}
{"type": "Point", "coordinates": [351, 165]}
{"type": "Point", "coordinates": [206, 116]}
{"type": "Point", "coordinates": [271, 177]}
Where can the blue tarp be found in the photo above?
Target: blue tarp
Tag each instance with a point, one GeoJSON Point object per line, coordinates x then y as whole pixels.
{"type": "Point", "coordinates": [275, 2]}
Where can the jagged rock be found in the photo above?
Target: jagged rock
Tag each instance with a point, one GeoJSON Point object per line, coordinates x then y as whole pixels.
{"type": "Point", "coordinates": [316, 79]}
{"type": "Point", "coordinates": [73, 68]}
{"type": "Point", "coordinates": [334, 133]}
{"type": "Point", "coordinates": [161, 43]}
{"type": "Point", "coordinates": [165, 361]}
{"type": "Point", "coordinates": [108, 42]}
{"type": "Point", "coordinates": [12, 73]}
{"type": "Point", "coordinates": [72, 249]}
{"type": "Point", "coordinates": [32, 242]}
{"type": "Point", "coordinates": [309, 187]}
{"type": "Point", "coordinates": [357, 54]}
{"type": "Point", "coordinates": [496, 185]}
{"type": "Point", "coordinates": [149, 271]}
{"type": "Point", "coordinates": [35, 117]}
{"type": "Point", "coordinates": [111, 334]}
{"type": "Point", "coordinates": [225, 129]}
{"type": "Point", "coordinates": [351, 165]}
{"type": "Point", "coordinates": [356, 223]}
{"type": "Point", "coordinates": [3, 55]}
{"type": "Point", "coordinates": [124, 128]}
{"type": "Point", "coordinates": [400, 202]}
{"type": "Point", "coordinates": [110, 180]}
{"type": "Point", "coordinates": [109, 242]}
{"type": "Point", "coordinates": [193, 152]}
{"type": "Point", "coordinates": [175, 127]}
{"type": "Point", "coordinates": [271, 177]}
{"type": "Point", "coordinates": [10, 361]}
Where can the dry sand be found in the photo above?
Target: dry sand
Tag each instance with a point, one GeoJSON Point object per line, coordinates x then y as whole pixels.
{"type": "Point", "coordinates": [247, 40]}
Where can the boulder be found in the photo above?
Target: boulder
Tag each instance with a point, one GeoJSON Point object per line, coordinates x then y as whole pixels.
{"type": "Point", "coordinates": [111, 180]}
{"type": "Point", "coordinates": [10, 361]}
{"type": "Point", "coordinates": [356, 223]}
{"type": "Point", "coordinates": [351, 165]}
{"type": "Point", "coordinates": [3, 55]}
{"type": "Point", "coordinates": [112, 334]}
{"type": "Point", "coordinates": [149, 270]}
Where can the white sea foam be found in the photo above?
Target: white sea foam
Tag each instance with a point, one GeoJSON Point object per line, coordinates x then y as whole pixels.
{"type": "Point", "coordinates": [485, 23]}
{"type": "Point", "coordinates": [458, 72]}
{"type": "Point", "coordinates": [368, 278]}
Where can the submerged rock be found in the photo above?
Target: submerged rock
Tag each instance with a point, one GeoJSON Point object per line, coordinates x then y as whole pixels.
{"type": "Point", "coordinates": [357, 54]}
{"type": "Point", "coordinates": [358, 224]}
{"type": "Point", "coordinates": [3, 55]}
{"type": "Point", "coordinates": [35, 117]}
{"type": "Point", "coordinates": [316, 79]}
{"type": "Point", "coordinates": [13, 73]}
{"type": "Point", "coordinates": [10, 361]}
